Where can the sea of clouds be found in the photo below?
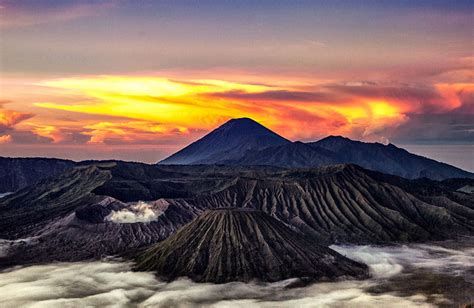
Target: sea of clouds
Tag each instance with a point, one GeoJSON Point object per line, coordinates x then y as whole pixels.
{"type": "Point", "coordinates": [385, 262]}
{"type": "Point", "coordinates": [112, 283]}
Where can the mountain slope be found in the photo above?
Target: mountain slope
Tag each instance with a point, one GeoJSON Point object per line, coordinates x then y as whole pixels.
{"type": "Point", "coordinates": [240, 245]}
{"type": "Point", "coordinates": [339, 150]}
{"type": "Point", "coordinates": [28, 210]}
{"type": "Point", "coordinates": [388, 159]}
{"type": "Point", "coordinates": [346, 204]}
{"type": "Point", "coordinates": [16, 173]}
{"type": "Point", "coordinates": [69, 216]}
{"type": "Point", "coordinates": [229, 141]}
{"type": "Point", "coordinates": [292, 155]}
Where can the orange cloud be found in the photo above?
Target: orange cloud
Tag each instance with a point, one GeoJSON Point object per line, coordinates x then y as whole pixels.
{"type": "Point", "coordinates": [362, 110]}
{"type": "Point", "coordinates": [5, 139]}
{"type": "Point", "coordinates": [10, 118]}
{"type": "Point", "coordinates": [131, 132]}
{"type": "Point", "coordinates": [48, 131]}
{"type": "Point", "coordinates": [454, 93]}
{"type": "Point", "coordinates": [152, 99]}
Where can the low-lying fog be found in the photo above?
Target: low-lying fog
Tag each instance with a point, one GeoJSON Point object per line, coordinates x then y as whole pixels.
{"type": "Point", "coordinates": [403, 276]}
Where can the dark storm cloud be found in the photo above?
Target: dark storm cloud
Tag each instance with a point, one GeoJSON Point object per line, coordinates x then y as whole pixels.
{"type": "Point", "coordinates": [453, 126]}
{"type": "Point", "coordinates": [456, 126]}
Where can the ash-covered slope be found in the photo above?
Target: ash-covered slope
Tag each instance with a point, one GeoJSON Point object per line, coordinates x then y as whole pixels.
{"type": "Point", "coordinates": [348, 204]}
{"type": "Point", "coordinates": [229, 141]}
{"type": "Point", "coordinates": [240, 245]}
{"type": "Point", "coordinates": [69, 216]}
{"type": "Point", "coordinates": [65, 218]}
{"type": "Point", "coordinates": [30, 209]}
{"type": "Point", "coordinates": [16, 173]}
{"type": "Point", "coordinates": [27, 211]}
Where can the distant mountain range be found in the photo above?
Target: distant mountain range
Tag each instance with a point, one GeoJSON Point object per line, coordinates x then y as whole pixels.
{"type": "Point", "coordinates": [245, 142]}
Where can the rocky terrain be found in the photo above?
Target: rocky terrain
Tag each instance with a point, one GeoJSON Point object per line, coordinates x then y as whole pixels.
{"type": "Point", "coordinates": [110, 208]}
{"type": "Point", "coordinates": [225, 245]}
{"type": "Point", "coordinates": [292, 155]}
{"type": "Point", "coordinates": [16, 173]}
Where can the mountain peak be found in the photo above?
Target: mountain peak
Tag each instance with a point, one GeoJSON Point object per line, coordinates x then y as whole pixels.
{"type": "Point", "coordinates": [243, 120]}
{"type": "Point", "coordinates": [229, 141]}
{"type": "Point", "coordinates": [244, 126]}
{"type": "Point", "coordinates": [336, 138]}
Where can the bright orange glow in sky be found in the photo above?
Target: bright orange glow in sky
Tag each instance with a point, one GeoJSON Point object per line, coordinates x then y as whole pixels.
{"type": "Point", "coordinates": [153, 99]}
{"type": "Point", "coordinates": [138, 81]}
{"type": "Point", "coordinates": [169, 112]}
{"type": "Point", "coordinates": [159, 105]}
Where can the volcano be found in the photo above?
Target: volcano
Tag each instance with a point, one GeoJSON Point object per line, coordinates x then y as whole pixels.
{"type": "Point", "coordinates": [227, 142]}
{"type": "Point", "coordinates": [225, 245]}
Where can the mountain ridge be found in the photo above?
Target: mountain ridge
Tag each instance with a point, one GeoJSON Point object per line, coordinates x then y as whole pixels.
{"type": "Point", "coordinates": [19, 172]}
{"type": "Point", "coordinates": [389, 159]}
{"type": "Point", "coordinates": [329, 150]}
{"type": "Point", "coordinates": [68, 215]}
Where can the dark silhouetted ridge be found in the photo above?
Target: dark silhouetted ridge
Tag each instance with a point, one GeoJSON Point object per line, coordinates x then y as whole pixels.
{"type": "Point", "coordinates": [388, 159]}
{"type": "Point", "coordinates": [244, 142]}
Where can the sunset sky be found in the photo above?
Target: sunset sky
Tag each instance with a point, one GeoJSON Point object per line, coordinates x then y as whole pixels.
{"type": "Point", "coordinates": [138, 80]}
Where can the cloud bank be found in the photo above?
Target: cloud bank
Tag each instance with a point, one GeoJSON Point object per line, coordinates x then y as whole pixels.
{"type": "Point", "coordinates": [113, 283]}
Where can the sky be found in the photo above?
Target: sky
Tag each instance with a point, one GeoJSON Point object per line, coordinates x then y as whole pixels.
{"type": "Point", "coordinates": [138, 80]}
